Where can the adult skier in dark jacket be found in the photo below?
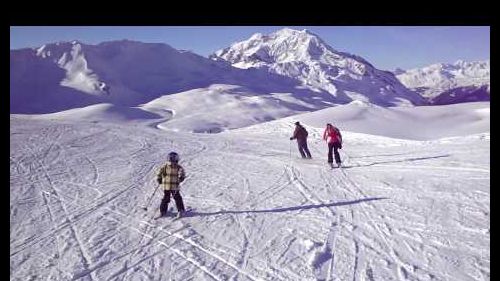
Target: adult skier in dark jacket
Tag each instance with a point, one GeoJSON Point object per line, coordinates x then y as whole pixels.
{"type": "Point", "coordinates": [300, 134]}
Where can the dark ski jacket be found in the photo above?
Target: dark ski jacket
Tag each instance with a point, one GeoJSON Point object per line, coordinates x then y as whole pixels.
{"type": "Point", "coordinates": [300, 134]}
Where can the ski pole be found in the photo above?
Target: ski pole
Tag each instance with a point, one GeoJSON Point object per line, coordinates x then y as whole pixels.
{"type": "Point", "coordinates": [150, 198]}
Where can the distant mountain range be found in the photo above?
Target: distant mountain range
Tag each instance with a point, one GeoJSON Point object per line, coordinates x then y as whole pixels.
{"type": "Point", "coordinates": [66, 75]}
{"type": "Point", "coordinates": [289, 70]}
{"type": "Point", "coordinates": [450, 83]}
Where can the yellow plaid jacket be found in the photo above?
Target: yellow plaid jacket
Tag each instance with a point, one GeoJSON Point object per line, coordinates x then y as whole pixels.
{"type": "Point", "coordinates": [171, 175]}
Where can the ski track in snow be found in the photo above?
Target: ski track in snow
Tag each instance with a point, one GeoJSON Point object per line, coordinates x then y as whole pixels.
{"type": "Point", "coordinates": [394, 212]}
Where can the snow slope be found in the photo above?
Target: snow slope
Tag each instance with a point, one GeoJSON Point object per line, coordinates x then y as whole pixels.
{"type": "Point", "coordinates": [221, 107]}
{"type": "Point", "coordinates": [400, 209]}
{"type": "Point", "coordinates": [444, 83]}
{"type": "Point", "coordinates": [215, 108]}
{"type": "Point", "coordinates": [304, 56]}
{"type": "Point", "coordinates": [103, 112]}
{"type": "Point", "coordinates": [225, 107]}
{"type": "Point", "coordinates": [119, 72]}
{"type": "Point", "coordinates": [417, 123]}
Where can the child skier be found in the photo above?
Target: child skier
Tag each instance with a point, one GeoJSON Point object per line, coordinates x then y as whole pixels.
{"type": "Point", "coordinates": [171, 175]}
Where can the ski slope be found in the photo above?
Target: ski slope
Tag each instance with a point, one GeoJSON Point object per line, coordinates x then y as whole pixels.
{"type": "Point", "coordinates": [401, 209]}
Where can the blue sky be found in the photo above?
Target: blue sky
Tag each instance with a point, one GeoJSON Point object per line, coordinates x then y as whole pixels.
{"type": "Point", "coordinates": [386, 47]}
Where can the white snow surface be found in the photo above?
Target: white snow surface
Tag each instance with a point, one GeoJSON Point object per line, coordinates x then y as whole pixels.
{"type": "Point", "coordinates": [103, 112]}
{"type": "Point", "coordinates": [417, 123]}
{"type": "Point", "coordinates": [223, 107]}
{"type": "Point", "coordinates": [415, 207]}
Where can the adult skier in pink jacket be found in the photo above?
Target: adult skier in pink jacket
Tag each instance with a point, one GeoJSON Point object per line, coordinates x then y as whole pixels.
{"type": "Point", "coordinates": [334, 140]}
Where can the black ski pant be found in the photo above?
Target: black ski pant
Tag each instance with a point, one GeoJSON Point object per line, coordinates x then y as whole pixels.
{"type": "Point", "coordinates": [166, 199]}
{"type": "Point", "coordinates": [333, 147]}
{"type": "Point", "coordinates": [303, 149]}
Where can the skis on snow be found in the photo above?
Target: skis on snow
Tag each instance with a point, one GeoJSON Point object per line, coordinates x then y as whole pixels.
{"type": "Point", "coordinates": [186, 213]}
{"type": "Point", "coordinates": [335, 166]}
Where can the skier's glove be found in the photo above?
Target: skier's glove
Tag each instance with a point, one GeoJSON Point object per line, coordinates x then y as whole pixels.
{"type": "Point", "coordinates": [158, 180]}
{"type": "Point", "coordinates": [291, 138]}
{"type": "Point", "coordinates": [340, 145]}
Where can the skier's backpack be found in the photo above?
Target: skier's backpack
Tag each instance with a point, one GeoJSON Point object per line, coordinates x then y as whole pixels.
{"type": "Point", "coordinates": [305, 132]}
{"type": "Point", "coordinates": [337, 132]}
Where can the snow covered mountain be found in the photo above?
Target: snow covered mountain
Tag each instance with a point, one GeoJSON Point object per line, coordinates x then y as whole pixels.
{"type": "Point", "coordinates": [450, 83]}
{"type": "Point", "coordinates": [68, 75]}
{"type": "Point", "coordinates": [304, 56]}
{"type": "Point", "coordinates": [65, 75]}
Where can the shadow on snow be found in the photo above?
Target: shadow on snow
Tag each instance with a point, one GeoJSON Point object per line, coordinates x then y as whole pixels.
{"type": "Point", "coordinates": [285, 209]}
{"type": "Point", "coordinates": [396, 161]}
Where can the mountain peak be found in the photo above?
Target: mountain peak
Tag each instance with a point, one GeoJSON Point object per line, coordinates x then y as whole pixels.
{"type": "Point", "coordinates": [398, 71]}
{"type": "Point", "coordinates": [294, 34]}
{"type": "Point", "coordinates": [290, 31]}
{"type": "Point", "coordinates": [256, 36]}
{"type": "Point", "coordinates": [304, 56]}
{"type": "Point", "coordinates": [282, 46]}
